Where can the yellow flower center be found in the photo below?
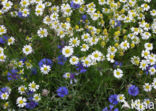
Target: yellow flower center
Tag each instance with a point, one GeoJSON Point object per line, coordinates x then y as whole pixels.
{"type": "Point", "coordinates": [22, 89]}
{"type": "Point", "coordinates": [33, 85]}
{"type": "Point", "coordinates": [118, 73]}
{"type": "Point", "coordinates": [4, 95]}
{"type": "Point", "coordinates": [96, 55]}
{"type": "Point", "coordinates": [1, 30]}
{"type": "Point", "coordinates": [67, 51]}
{"type": "Point", "coordinates": [73, 59]}
{"type": "Point", "coordinates": [21, 101]}
{"type": "Point", "coordinates": [74, 41]}
{"type": "Point", "coordinates": [112, 56]}
{"type": "Point", "coordinates": [26, 49]}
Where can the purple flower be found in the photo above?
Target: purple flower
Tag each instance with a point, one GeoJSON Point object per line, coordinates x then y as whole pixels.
{"type": "Point", "coordinates": [12, 75]}
{"type": "Point", "coordinates": [117, 64]}
{"type": "Point", "coordinates": [110, 108]}
{"type": "Point", "coordinates": [133, 90]}
{"type": "Point", "coordinates": [72, 78]}
{"type": "Point", "coordinates": [80, 68]}
{"type": "Point", "coordinates": [84, 17]}
{"type": "Point", "coordinates": [30, 93]}
{"type": "Point", "coordinates": [3, 39]}
{"type": "Point", "coordinates": [113, 99]}
{"type": "Point", "coordinates": [45, 61]}
{"type": "Point", "coordinates": [20, 15]}
{"type": "Point", "coordinates": [73, 5]}
{"type": "Point", "coordinates": [23, 59]}
{"type": "Point", "coordinates": [5, 90]}
{"type": "Point", "coordinates": [117, 23]}
{"type": "Point", "coordinates": [61, 46]}
{"type": "Point", "coordinates": [34, 71]}
{"type": "Point", "coordinates": [31, 105]}
{"type": "Point", "coordinates": [154, 66]}
{"type": "Point", "coordinates": [62, 91]}
{"type": "Point", "coordinates": [61, 59]}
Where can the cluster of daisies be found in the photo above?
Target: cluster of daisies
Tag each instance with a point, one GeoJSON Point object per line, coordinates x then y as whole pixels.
{"type": "Point", "coordinates": [105, 31]}
{"type": "Point", "coordinates": [32, 97]}
{"type": "Point", "coordinates": [30, 100]}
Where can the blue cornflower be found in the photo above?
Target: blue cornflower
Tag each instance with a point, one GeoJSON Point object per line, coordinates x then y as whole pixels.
{"type": "Point", "coordinates": [13, 75]}
{"type": "Point", "coordinates": [110, 108]}
{"type": "Point", "coordinates": [31, 105]}
{"type": "Point", "coordinates": [80, 68]}
{"type": "Point", "coordinates": [62, 91]}
{"type": "Point", "coordinates": [23, 59]}
{"type": "Point", "coordinates": [3, 39]}
{"type": "Point", "coordinates": [117, 64]}
{"type": "Point", "coordinates": [73, 5]}
{"type": "Point", "coordinates": [113, 99]}
{"type": "Point", "coordinates": [34, 71]}
{"type": "Point", "coordinates": [72, 78]}
{"type": "Point", "coordinates": [154, 66]}
{"type": "Point", "coordinates": [62, 44]}
{"type": "Point", "coordinates": [5, 90]}
{"type": "Point", "coordinates": [45, 61]}
{"type": "Point", "coordinates": [61, 59]}
{"type": "Point", "coordinates": [30, 93]}
{"type": "Point", "coordinates": [117, 23]}
{"type": "Point", "coordinates": [147, 69]}
{"type": "Point", "coordinates": [84, 17]}
{"type": "Point", "coordinates": [133, 90]}
{"type": "Point", "coordinates": [20, 15]}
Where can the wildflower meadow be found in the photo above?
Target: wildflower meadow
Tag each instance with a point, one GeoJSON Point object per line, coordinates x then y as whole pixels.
{"type": "Point", "coordinates": [78, 55]}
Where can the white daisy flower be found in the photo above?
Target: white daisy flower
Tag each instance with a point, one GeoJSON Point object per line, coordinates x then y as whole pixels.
{"type": "Point", "coordinates": [67, 51]}
{"type": "Point", "coordinates": [96, 55]}
{"type": "Point", "coordinates": [110, 57]}
{"type": "Point", "coordinates": [25, 12]}
{"type": "Point", "coordinates": [27, 49]}
{"type": "Point", "coordinates": [21, 102]}
{"type": "Point", "coordinates": [36, 97]}
{"type": "Point", "coordinates": [111, 49]}
{"type": "Point", "coordinates": [84, 47]}
{"type": "Point", "coordinates": [45, 69]}
{"type": "Point", "coordinates": [148, 46]}
{"type": "Point", "coordinates": [85, 37]}
{"type": "Point", "coordinates": [121, 97]}
{"type": "Point", "coordinates": [74, 42]}
{"type": "Point", "coordinates": [42, 32]}
{"type": "Point", "coordinates": [147, 87]}
{"type": "Point", "coordinates": [118, 73]}
{"type": "Point", "coordinates": [145, 53]}
{"type": "Point", "coordinates": [2, 58]}
{"type": "Point", "coordinates": [74, 60]}
{"type": "Point", "coordinates": [38, 12]}
{"type": "Point", "coordinates": [24, 3]}
{"type": "Point", "coordinates": [66, 75]}
{"type": "Point", "coordinates": [11, 40]}
{"type": "Point", "coordinates": [33, 86]}
{"type": "Point", "coordinates": [4, 96]}
{"type": "Point", "coordinates": [124, 45]}
{"type": "Point", "coordinates": [3, 30]}
{"type": "Point", "coordinates": [86, 62]}
{"type": "Point", "coordinates": [22, 89]}
{"type": "Point", "coordinates": [152, 70]}
{"type": "Point", "coordinates": [143, 64]}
